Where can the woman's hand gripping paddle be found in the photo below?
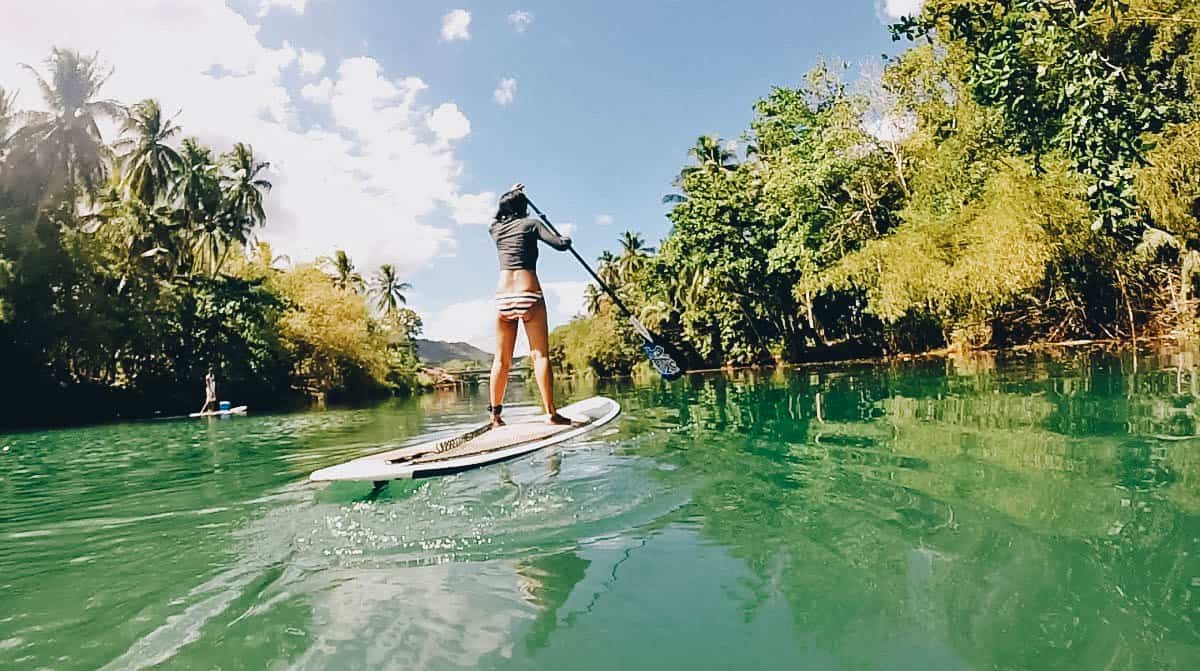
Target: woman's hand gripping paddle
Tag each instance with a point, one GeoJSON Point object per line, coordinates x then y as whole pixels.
{"type": "Point", "coordinates": [654, 347]}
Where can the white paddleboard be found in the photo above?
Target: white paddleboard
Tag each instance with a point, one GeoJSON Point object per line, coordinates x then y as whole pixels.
{"type": "Point", "coordinates": [240, 410]}
{"type": "Point", "coordinates": [475, 448]}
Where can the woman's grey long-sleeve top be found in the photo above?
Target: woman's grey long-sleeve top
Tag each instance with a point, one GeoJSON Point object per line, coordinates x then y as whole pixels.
{"type": "Point", "coordinates": [516, 242]}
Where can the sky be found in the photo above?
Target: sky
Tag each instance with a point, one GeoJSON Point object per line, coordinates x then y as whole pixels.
{"type": "Point", "coordinates": [392, 126]}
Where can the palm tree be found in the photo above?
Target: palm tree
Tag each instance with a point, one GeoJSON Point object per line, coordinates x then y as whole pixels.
{"type": "Point", "coordinates": [8, 116]}
{"type": "Point", "coordinates": [149, 163]}
{"type": "Point", "coordinates": [196, 191]}
{"type": "Point", "coordinates": [342, 269]}
{"type": "Point", "coordinates": [634, 253]}
{"type": "Point", "coordinates": [388, 289]}
{"type": "Point", "coordinates": [244, 191]}
{"type": "Point", "coordinates": [197, 186]}
{"type": "Point", "coordinates": [64, 144]}
{"type": "Point", "coordinates": [633, 244]}
{"type": "Point", "coordinates": [8, 119]}
{"type": "Point", "coordinates": [709, 152]}
{"type": "Point", "coordinates": [593, 298]}
{"type": "Point", "coordinates": [150, 234]}
{"type": "Point", "coordinates": [609, 270]}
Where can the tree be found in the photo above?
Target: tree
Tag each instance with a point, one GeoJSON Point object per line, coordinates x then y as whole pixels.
{"type": "Point", "coordinates": [634, 253]}
{"type": "Point", "coordinates": [709, 153]}
{"type": "Point", "coordinates": [329, 334]}
{"type": "Point", "coordinates": [149, 165]}
{"type": "Point", "coordinates": [609, 268]}
{"type": "Point", "coordinates": [196, 191]}
{"type": "Point", "coordinates": [594, 345]}
{"type": "Point", "coordinates": [149, 237]}
{"type": "Point", "coordinates": [64, 146]}
{"type": "Point", "coordinates": [115, 294]}
{"type": "Point", "coordinates": [388, 290]}
{"type": "Point", "coordinates": [719, 228]}
{"type": "Point", "coordinates": [342, 269]}
{"type": "Point", "coordinates": [1088, 78]}
{"type": "Point", "coordinates": [592, 297]}
{"type": "Point", "coordinates": [8, 118]}
{"type": "Point", "coordinates": [244, 190]}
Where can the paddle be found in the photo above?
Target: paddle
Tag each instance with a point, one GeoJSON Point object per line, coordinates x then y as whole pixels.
{"type": "Point", "coordinates": [652, 345]}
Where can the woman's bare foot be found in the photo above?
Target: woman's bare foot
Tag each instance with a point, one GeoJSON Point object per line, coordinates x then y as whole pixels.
{"type": "Point", "coordinates": [558, 419]}
{"type": "Point", "coordinates": [496, 421]}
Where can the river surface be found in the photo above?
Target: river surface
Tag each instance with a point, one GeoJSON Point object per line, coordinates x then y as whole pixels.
{"type": "Point", "coordinates": [1027, 513]}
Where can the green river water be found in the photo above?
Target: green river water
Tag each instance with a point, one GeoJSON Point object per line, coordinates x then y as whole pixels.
{"type": "Point", "coordinates": [1027, 513]}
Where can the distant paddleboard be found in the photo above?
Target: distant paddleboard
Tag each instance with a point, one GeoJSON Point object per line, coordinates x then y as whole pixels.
{"type": "Point", "coordinates": [240, 410]}
{"type": "Point", "coordinates": [474, 448]}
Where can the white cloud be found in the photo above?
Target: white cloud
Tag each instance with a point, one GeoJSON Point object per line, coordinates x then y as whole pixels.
{"type": "Point", "coordinates": [448, 123]}
{"type": "Point", "coordinates": [604, 220]}
{"type": "Point", "coordinates": [894, 9]}
{"type": "Point", "coordinates": [456, 25]}
{"type": "Point", "coordinates": [265, 6]}
{"type": "Point", "coordinates": [319, 92]}
{"type": "Point", "coordinates": [478, 209]}
{"type": "Point", "coordinates": [520, 20]}
{"type": "Point", "coordinates": [565, 300]}
{"type": "Point", "coordinates": [364, 184]}
{"type": "Point", "coordinates": [505, 91]}
{"type": "Point", "coordinates": [311, 62]}
{"type": "Point", "coordinates": [568, 229]}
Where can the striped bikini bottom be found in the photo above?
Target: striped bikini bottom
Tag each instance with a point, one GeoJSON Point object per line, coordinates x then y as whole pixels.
{"type": "Point", "coordinates": [516, 305]}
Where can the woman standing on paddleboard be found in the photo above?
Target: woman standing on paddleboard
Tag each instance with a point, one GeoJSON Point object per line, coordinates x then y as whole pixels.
{"type": "Point", "coordinates": [519, 299]}
{"type": "Point", "coordinates": [210, 392]}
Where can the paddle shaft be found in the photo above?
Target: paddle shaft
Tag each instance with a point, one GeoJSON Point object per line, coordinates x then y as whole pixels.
{"type": "Point", "coordinates": [611, 294]}
{"type": "Point", "coordinates": [662, 360]}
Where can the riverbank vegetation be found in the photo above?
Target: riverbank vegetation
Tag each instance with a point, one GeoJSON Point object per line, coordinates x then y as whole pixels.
{"type": "Point", "coordinates": [129, 266]}
{"type": "Point", "coordinates": [1028, 170]}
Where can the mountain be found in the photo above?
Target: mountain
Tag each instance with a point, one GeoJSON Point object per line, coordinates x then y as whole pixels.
{"type": "Point", "coordinates": [435, 352]}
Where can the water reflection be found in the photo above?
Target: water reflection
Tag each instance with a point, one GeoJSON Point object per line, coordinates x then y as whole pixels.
{"type": "Point", "coordinates": [546, 583]}
{"type": "Point", "coordinates": [1030, 515]}
{"type": "Point", "coordinates": [1008, 512]}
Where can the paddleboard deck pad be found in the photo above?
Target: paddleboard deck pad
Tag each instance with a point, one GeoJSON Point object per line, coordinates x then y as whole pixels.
{"type": "Point", "coordinates": [478, 447]}
{"type": "Point", "coordinates": [240, 410]}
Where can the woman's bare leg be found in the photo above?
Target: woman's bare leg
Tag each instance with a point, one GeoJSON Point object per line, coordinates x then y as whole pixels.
{"type": "Point", "coordinates": [506, 339]}
{"type": "Point", "coordinates": [538, 333]}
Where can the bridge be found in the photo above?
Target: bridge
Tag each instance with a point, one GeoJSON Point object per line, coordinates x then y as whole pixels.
{"type": "Point", "coordinates": [446, 379]}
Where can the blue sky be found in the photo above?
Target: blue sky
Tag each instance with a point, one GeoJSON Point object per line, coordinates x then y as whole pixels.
{"type": "Point", "coordinates": [388, 136]}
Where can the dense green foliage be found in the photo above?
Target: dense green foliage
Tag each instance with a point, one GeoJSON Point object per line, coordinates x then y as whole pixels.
{"type": "Point", "coordinates": [129, 268]}
{"type": "Point", "coordinates": [1027, 170]}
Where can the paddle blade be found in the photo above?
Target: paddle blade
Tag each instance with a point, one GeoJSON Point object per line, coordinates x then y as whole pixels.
{"type": "Point", "coordinates": [662, 361]}
{"type": "Point", "coordinates": [659, 357]}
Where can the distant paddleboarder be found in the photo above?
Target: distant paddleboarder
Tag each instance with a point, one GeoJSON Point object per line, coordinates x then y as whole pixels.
{"type": "Point", "coordinates": [210, 392]}
{"type": "Point", "coordinates": [519, 299]}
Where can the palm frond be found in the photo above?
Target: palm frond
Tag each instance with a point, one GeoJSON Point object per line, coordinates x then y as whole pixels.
{"type": "Point", "coordinates": [47, 91]}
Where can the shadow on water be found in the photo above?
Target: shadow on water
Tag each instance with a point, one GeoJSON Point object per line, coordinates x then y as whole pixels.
{"type": "Point", "coordinates": [1012, 512]}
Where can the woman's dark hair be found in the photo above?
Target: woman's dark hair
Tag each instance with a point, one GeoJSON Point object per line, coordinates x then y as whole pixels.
{"type": "Point", "coordinates": [513, 205]}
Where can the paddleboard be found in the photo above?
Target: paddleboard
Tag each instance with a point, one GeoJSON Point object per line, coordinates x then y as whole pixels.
{"type": "Point", "coordinates": [478, 447]}
{"type": "Point", "coordinates": [240, 410]}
